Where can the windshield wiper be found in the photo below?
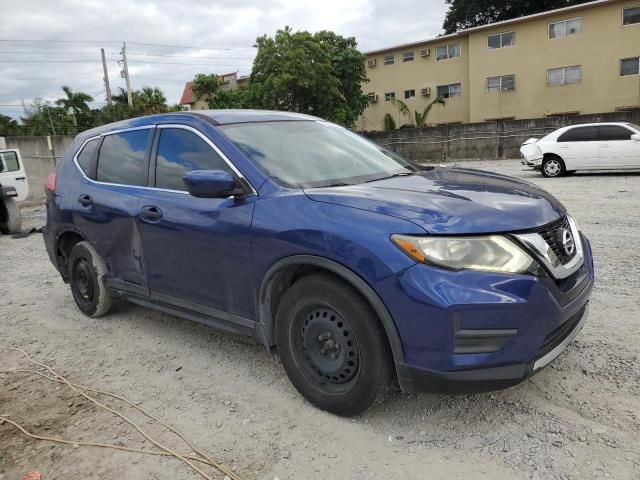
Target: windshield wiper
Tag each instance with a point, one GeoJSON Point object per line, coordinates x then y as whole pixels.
{"type": "Point", "coordinates": [393, 175]}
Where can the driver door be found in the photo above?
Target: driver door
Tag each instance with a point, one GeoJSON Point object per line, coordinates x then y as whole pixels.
{"type": "Point", "coordinates": [197, 251]}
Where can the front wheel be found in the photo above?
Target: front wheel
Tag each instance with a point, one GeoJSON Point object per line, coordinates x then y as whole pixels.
{"type": "Point", "coordinates": [10, 218]}
{"type": "Point", "coordinates": [553, 166]}
{"type": "Point", "coordinates": [332, 345]}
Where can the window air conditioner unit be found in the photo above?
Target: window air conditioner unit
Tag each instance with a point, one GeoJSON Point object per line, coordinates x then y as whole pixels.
{"type": "Point", "coordinates": [373, 97]}
{"type": "Point", "coordinates": [426, 91]}
{"type": "Point", "coordinates": [371, 62]}
{"type": "Point", "coordinates": [425, 52]}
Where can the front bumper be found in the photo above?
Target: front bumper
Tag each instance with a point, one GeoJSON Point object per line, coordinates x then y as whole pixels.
{"type": "Point", "coordinates": [536, 164]}
{"type": "Point", "coordinates": [477, 331]}
{"type": "Point", "coordinates": [415, 379]}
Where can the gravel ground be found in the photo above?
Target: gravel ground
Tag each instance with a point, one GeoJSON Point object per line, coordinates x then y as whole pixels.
{"type": "Point", "coordinates": [579, 418]}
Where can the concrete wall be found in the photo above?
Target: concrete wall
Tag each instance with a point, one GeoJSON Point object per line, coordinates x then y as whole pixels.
{"type": "Point", "coordinates": [38, 160]}
{"type": "Point", "coordinates": [482, 141]}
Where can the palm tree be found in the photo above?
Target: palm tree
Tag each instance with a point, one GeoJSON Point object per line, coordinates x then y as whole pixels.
{"type": "Point", "coordinates": [417, 119]}
{"type": "Point", "coordinates": [389, 122]}
{"type": "Point", "coordinates": [149, 100]}
{"type": "Point", "coordinates": [76, 104]}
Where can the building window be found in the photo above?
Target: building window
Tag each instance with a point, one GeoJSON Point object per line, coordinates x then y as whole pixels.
{"type": "Point", "coordinates": [501, 40]}
{"type": "Point", "coordinates": [630, 66]}
{"type": "Point", "coordinates": [407, 57]}
{"type": "Point", "coordinates": [565, 28]}
{"type": "Point", "coordinates": [631, 16]}
{"type": "Point", "coordinates": [448, 91]}
{"type": "Point", "coordinates": [389, 96]}
{"type": "Point", "coordinates": [564, 75]}
{"type": "Point", "coordinates": [408, 94]}
{"type": "Point", "coordinates": [501, 83]}
{"type": "Point", "coordinates": [448, 51]}
{"type": "Point", "coordinates": [389, 60]}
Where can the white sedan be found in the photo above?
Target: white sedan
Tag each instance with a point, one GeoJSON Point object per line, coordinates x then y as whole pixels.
{"type": "Point", "coordinates": [592, 146]}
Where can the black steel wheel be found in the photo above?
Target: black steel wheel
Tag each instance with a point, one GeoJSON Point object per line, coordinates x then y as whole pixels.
{"type": "Point", "coordinates": [86, 272]}
{"type": "Point", "coordinates": [332, 345]}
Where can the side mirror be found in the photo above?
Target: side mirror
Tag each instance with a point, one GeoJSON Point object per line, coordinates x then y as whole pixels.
{"type": "Point", "coordinates": [636, 137]}
{"type": "Point", "coordinates": [211, 184]}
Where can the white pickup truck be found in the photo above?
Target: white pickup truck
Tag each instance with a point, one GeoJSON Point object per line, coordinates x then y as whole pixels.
{"type": "Point", "coordinates": [14, 187]}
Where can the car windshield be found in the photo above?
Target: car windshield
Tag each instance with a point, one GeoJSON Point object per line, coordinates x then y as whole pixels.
{"type": "Point", "coordinates": [315, 153]}
{"type": "Point", "coordinates": [634, 126]}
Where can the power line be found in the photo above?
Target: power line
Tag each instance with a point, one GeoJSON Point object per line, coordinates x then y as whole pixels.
{"type": "Point", "coordinates": [118, 41]}
{"type": "Point", "coordinates": [49, 61]}
{"type": "Point", "coordinates": [187, 56]}
{"type": "Point", "coordinates": [200, 64]}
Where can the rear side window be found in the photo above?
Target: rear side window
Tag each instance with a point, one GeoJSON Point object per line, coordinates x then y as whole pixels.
{"type": "Point", "coordinates": [87, 158]}
{"type": "Point", "coordinates": [9, 162]}
{"type": "Point", "coordinates": [181, 151]}
{"type": "Point", "coordinates": [614, 132]}
{"type": "Point", "coordinates": [580, 134]}
{"type": "Point", "coordinates": [122, 158]}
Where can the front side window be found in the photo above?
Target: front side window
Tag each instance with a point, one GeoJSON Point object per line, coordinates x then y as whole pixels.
{"type": "Point", "coordinates": [631, 16]}
{"type": "Point", "coordinates": [448, 51]}
{"type": "Point", "coordinates": [389, 60]}
{"type": "Point", "coordinates": [448, 91]}
{"type": "Point", "coordinates": [389, 96]}
{"type": "Point", "coordinates": [501, 40]}
{"type": "Point", "coordinates": [614, 133]}
{"type": "Point", "coordinates": [501, 83]}
{"type": "Point", "coordinates": [564, 75]}
{"type": "Point", "coordinates": [181, 151]}
{"type": "Point", "coordinates": [9, 162]}
{"type": "Point", "coordinates": [314, 153]}
{"type": "Point", "coordinates": [409, 94]}
{"type": "Point", "coordinates": [565, 28]}
{"type": "Point", "coordinates": [407, 57]}
{"type": "Point", "coordinates": [630, 66]}
{"type": "Point", "coordinates": [580, 134]}
{"type": "Point", "coordinates": [87, 157]}
{"type": "Point", "coordinates": [122, 158]}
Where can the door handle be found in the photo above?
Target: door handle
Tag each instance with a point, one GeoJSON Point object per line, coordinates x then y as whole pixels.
{"type": "Point", "coordinates": [21, 178]}
{"type": "Point", "coordinates": [604, 145]}
{"type": "Point", "coordinates": [85, 200]}
{"type": "Point", "coordinates": [151, 214]}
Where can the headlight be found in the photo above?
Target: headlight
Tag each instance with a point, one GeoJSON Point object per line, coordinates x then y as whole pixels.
{"type": "Point", "coordinates": [493, 253]}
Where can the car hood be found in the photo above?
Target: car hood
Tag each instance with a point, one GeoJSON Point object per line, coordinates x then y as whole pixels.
{"type": "Point", "coordinates": [451, 201]}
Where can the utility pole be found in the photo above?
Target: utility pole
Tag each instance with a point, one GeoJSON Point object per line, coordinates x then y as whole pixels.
{"type": "Point", "coordinates": [125, 74]}
{"type": "Point", "coordinates": [106, 77]}
{"type": "Point", "coordinates": [53, 130]}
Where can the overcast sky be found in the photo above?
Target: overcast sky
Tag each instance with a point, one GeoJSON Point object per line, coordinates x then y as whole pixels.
{"type": "Point", "coordinates": [71, 33]}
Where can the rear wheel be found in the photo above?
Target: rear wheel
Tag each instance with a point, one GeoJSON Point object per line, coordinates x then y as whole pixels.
{"type": "Point", "coordinates": [553, 166]}
{"type": "Point", "coordinates": [86, 278]}
{"type": "Point", "coordinates": [332, 345]}
{"type": "Point", "coordinates": [10, 218]}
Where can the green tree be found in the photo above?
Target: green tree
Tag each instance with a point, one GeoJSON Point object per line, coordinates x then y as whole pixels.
{"type": "Point", "coordinates": [75, 103]}
{"type": "Point", "coordinates": [205, 87]}
{"type": "Point", "coordinates": [416, 119]}
{"type": "Point", "coordinates": [464, 14]}
{"type": "Point", "coordinates": [41, 118]}
{"type": "Point", "coordinates": [8, 126]}
{"type": "Point", "coordinates": [316, 74]}
{"type": "Point", "coordinates": [349, 68]}
{"type": "Point", "coordinates": [389, 122]}
{"type": "Point", "coordinates": [149, 100]}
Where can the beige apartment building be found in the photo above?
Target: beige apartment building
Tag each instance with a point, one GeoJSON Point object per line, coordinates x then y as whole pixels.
{"type": "Point", "coordinates": [574, 60]}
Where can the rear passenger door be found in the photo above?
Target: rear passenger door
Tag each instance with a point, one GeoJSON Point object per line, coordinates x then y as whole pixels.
{"type": "Point", "coordinates": [197, 251]}
{"type": "Point", "coordinates": [617, 150]}
{"type": "Point", "coordinates": [579, 148]}
{"type": "Point", "coordinates": [106, 202]}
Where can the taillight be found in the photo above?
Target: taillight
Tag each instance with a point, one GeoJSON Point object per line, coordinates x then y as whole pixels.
{"type": "Point", "coordinates": [50, 183]}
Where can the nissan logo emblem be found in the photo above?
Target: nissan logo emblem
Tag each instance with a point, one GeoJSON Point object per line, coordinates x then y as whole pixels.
{"type": "Point", "coordinates": [568, 243]}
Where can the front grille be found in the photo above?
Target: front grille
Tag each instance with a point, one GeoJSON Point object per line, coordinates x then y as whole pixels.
{"type": "Point", "coordinates": [551, 235]}
{"type": "Point", "coordinates": [556, 336]}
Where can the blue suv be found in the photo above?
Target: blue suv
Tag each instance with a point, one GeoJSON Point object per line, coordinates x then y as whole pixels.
{"type": "Point", "coordinates": [360, 267]}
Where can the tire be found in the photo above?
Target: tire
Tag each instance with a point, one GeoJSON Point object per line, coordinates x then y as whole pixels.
{"type": "Point", "coordinates": [86, 278]}
{"type": "Point", "coordinates": [332, 345]}
{"type": "Point", "coordinates": [553, 167]}
{"type": "Point", "coordinates": [10, 217]}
